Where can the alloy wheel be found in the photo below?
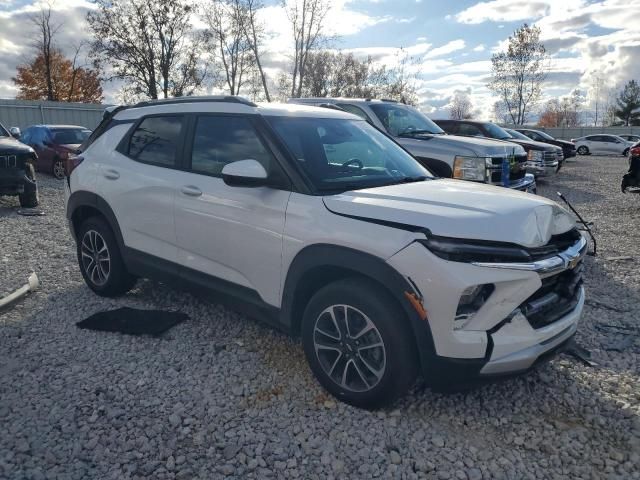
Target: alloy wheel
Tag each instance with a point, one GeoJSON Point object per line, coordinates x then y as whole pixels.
{"type": "Point", "coordinates": [349, 348]}
{"type": "Point", "coordinates": [96, 260]}
{"type": "Point", "coordinates": [58, 169]}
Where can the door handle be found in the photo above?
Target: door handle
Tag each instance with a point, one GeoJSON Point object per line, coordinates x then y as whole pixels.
{"type": "Point", "coordinates": [111, 174]}
{"type": "Point", "coordinates": [191, 191]}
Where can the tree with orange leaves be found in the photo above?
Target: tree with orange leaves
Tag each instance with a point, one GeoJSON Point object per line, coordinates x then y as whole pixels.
{"type": "Point", "coordinates": [69, 82]}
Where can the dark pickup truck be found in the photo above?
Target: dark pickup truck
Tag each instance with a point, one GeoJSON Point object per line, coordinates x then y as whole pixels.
{"type": "Point", "coordinates": [17, 174]}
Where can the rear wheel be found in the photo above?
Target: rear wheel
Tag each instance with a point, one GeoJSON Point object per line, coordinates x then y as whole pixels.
{"type": "Point", "coordinates": [29, 198]}
{"type": "Point", "coordinates": [358, 344]}
{"type": "Point", "coordinates": [625, 153]}
{"type": "Point", "coordinates": [58, 169]}
{"type": "Point", "coordinates": [100, 259]}
{"type": "Point", "coordinates": [582, 150]}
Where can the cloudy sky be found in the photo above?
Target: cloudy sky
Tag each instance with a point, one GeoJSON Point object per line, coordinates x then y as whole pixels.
{"type": "Point", "coordinates": [450, 41]}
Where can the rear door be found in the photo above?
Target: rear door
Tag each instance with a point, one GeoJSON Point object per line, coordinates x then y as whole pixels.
{"type": "Point", "coordinates": [230, 233]}
{"type": "Point", "coordinates": [138, 181]}
{"type": "Point", "coordinates": [596, 144]}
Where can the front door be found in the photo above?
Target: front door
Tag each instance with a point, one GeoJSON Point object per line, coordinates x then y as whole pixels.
{"type": "Point", "coordinates": [228, 232]}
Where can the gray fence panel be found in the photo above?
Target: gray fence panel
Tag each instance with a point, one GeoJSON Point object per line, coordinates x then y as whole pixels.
{"type": "Point", "coordinates": [23, 113]}
{"type": "Point", "coordinates": [567, 133]}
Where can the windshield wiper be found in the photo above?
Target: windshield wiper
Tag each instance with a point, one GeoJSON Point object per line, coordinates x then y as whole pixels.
{"type": "Point", "coordinates": [410, 133]}
{"type": "Point", "coordinates": [417, 178]}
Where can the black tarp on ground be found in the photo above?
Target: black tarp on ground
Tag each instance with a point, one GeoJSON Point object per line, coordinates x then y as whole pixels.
{"type": "Point", "coordinates": [133, 321]}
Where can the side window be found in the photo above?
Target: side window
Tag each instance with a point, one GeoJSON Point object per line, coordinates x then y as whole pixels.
{"type": "Point", "coordinates": [448, 127]}
{"type": "Point", "coordinates": [355, 110]}
{"type": "Point", "coordinates": [470, 130]}
{"type": "Point", "coordinates": [219, 140]}
{"type": "Point", "coordinates": [533, 136]}
{"type": "Point", "coordinates": [156, 140]}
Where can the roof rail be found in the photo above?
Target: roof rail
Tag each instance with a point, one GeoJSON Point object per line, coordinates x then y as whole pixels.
{"type": "Point", "coordinates": [196, 99]}
{"type": "Point", "coordinates": [389, 100]}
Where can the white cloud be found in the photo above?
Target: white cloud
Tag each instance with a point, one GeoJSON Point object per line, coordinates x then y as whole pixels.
{"type": "Point", "coordinates": [503, 11]}
{"type": "Point", "coordinates": [446, 49]}
{"type": "Point", "coordinates": [479, 48]}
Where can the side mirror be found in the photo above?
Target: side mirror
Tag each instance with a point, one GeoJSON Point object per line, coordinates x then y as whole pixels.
{"type": "Point", "coordinates": [15, 132]}
{"type": "Point", "coordinates": [244, 173]}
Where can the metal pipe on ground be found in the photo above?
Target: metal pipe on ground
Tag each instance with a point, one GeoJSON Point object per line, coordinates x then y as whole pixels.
{"type": "Point", "coordinates": [31, 285]}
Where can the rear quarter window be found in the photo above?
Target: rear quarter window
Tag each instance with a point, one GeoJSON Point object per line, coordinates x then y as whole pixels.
{"type": "Point", "coordinates": [155, 140]}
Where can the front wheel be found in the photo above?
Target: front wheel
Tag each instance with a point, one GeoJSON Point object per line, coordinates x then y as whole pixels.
{"type": "Point", "coordinates": [29, 197]}
{"type": "Point", "coordinates": [625, 153]}
{"type": "Point", "coordinates": [583, 150]}
{"type": "Point", "coordinates": [100, 260]}
{"type": "Point", "coordinates": [358, 344]}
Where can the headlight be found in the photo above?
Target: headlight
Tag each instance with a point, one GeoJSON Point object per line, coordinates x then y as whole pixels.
{"type": "Point", "coordinates": [534, 156]}
{"type": "Point", "coordinates": [460, 250]}
{"type": "Point", "coordinates": [470, 168]}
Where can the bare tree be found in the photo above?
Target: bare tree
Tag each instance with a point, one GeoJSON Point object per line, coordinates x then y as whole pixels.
{"type": "Point", "coordinates": [461, 107]}
{"type": "Point", "coordinates": [45, 45]}
{"type": "Point", "coordinates": [401, 79]}
{"type": "Point", "coordinates": [227, 26]}
{"type": "Point", "coordinates": [307, 18]}
{"type": "Point", "coordinates": [518, 73]}
{"type": "Point", "coordinates": [254, 31]}
{"type": "Point", "coordinates": [149, 44]}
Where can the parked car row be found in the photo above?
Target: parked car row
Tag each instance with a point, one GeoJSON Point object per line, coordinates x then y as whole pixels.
{"type": "Point", "coordinates": [329, 226]}
{"type": "Point", "coordinates": [52, 144]}
{"type": "Point", "coordinates": [43, 148]}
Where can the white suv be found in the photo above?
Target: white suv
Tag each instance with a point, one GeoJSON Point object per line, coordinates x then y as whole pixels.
{"type": "Point", "coordinates": [328, 229]}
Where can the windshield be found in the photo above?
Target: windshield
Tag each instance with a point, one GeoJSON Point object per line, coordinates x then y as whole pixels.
{"type": "Point", "coordinates": [339, 154]}
{"type": "Point", "coordinates": [515, 134]}
{"type": "Point", "coordinates": [3, 131]}
{"type": "Point", "coordinates": [544, 135]}
{"type": "Point", "coordinates": [69, 136]}
{"type": "Point", "coordinates": [403, 120]}
{"type": "Point", "coordinates": [496, 132]}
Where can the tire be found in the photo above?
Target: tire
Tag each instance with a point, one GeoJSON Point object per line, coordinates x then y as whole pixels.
{"type": "Point", "coordinates": [582, 150]}
{"type": "Point", "coordinates": [30, 198]}
{"type": "Point", "coordinates": [381, 364]}
{"type": "Point", "coordinates": [104, 272]}
{"type": "Point", "coordinates": [57, 169]}
{"type": "Point", "coordinates": [625, 153]}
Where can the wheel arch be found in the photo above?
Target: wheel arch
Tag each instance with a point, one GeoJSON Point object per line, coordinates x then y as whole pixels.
{"type": "Point", "coordinates": [82, 205]}
{"type": "Point", "coordinates": [317, 265]}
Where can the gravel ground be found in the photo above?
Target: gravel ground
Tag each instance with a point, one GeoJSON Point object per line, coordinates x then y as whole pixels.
{"type": "Point", "coordinates": [221, 395]}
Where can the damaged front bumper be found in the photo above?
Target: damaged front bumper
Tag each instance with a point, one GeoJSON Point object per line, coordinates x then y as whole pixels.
{"type": "Point", "coordinates": [520, 323]}
{"type": "Point", "coordinates": [517, 346]}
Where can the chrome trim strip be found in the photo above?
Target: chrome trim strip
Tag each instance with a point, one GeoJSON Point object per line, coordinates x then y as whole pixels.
{"type": "Point", "coordinates": [549, 266]}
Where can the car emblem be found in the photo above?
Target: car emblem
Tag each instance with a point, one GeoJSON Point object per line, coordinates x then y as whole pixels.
{"type": "Point", "coordinates": [573, 262]}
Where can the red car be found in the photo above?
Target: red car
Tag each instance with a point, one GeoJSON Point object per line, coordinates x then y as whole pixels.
{"type": "Point", "coordinates": [53, 144]}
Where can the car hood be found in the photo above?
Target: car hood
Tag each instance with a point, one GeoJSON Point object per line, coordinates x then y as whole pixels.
{"type": "Point", "coordinates": [458, 209]}
{"type": "Point", "coordinates": [11, 146]}
{"type": "Point", "coordinates": [533, 145]}
{"type": "Point", "coordinates": [478, 145]}
{"type": "Point", "coordinates": [564, 143]}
